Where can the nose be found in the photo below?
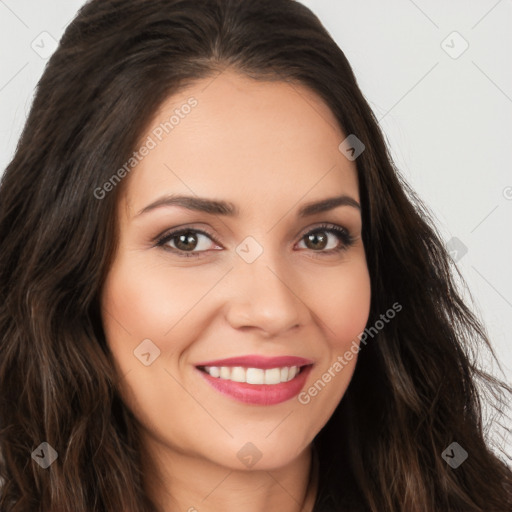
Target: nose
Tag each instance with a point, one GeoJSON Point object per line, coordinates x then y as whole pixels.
{"type": "Point", "coordinates": [264, 297]}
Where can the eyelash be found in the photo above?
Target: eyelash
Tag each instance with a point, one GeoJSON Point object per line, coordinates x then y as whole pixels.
{"type": "Point", "coordinates": [343, 234]}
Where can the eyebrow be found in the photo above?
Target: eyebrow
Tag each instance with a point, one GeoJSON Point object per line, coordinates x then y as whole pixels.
{"type": "Point", "coordinates": [226, 208]}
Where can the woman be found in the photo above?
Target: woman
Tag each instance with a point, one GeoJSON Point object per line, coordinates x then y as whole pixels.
{"type": "Point", "coordinates": [217, 292]}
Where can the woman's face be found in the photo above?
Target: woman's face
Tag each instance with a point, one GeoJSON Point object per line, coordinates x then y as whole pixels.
{"type": "Point", "coordinates": [255, 283]}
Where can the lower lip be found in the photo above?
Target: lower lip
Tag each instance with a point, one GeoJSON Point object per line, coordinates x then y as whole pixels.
{"type": "Point", "coordinates": [259, 394]}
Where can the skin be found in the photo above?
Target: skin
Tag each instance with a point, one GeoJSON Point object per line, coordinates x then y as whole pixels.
{"type": "Point", "coordinates": [268, 148]}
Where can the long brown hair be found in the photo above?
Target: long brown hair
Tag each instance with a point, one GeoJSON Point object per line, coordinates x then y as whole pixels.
{"type": "Point", "coordinates": [417, 386]}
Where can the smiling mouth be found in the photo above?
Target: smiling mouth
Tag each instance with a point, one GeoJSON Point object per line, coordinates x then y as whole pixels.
{"type": "Point", "coordinates": [258, 376]}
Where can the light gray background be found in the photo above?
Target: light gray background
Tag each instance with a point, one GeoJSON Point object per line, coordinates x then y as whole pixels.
{"type": "Point", "coordinates": [448, 120]}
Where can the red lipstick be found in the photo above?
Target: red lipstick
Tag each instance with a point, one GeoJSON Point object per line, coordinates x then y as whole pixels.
{"type": "Point", "coordinates": [258, 394]}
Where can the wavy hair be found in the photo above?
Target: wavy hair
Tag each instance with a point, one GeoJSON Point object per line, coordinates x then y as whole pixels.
{"type": "Point", "coordinates": [417, 386]}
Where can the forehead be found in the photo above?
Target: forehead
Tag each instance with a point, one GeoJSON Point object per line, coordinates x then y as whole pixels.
{"type": "Point", "coordinates": [242, 140]}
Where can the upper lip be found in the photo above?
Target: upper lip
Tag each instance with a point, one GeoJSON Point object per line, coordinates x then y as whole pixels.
{"type": "Point", "coordinates": [254, 361]}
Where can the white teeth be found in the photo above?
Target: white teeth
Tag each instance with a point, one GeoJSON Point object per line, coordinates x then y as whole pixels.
{"type": "Point", "coordinates": [273, 376]}
{"type": "Point", "coordinates": [238, 374]}
{"type": "Point", "coordinates": [214, 371]}
{"type": "Point", "coordinates": [253, 375]}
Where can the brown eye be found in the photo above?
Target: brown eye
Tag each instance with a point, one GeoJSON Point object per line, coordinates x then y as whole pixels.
{"type": "Point", "coordinates": [184, 242]}
{"type": "Point", "coordinates": [317, 240]}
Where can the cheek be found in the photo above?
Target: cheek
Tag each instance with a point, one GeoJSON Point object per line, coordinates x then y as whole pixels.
{"type": "Point", "coordinates": [135, 308]}
{"type": "Point", "coordinates": [342, 302]}
{"type": "Point", "coordinates": [147, 300]}
{"type": "Point", "coordinates": [150, 301]}
{"type": "Point", "coordinates": [131, 303]}
{"type": "Point", "coordinates": [342, 306]}
{"type": "Point", "coordinates": [140, 303]}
